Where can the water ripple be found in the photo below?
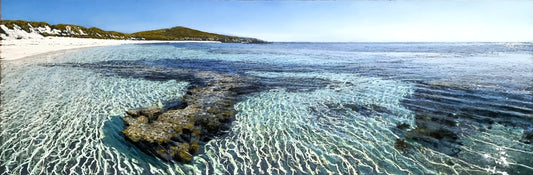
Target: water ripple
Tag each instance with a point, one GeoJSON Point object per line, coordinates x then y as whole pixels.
{"type": "Point", "coordinates": [326, 109]}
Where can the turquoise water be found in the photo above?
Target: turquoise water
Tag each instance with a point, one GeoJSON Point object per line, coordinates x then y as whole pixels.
{"type": "Point", "coordinates": [311, 108]}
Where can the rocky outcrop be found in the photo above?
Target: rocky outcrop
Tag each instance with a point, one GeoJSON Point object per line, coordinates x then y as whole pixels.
{"type": "Point", "coordinates": [176, 134]}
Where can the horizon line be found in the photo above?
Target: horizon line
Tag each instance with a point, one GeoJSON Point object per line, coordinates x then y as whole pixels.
{"type": "Point", "coordinates": [530, 41]}
{"type": "Point", "coordinates": [400, 41]}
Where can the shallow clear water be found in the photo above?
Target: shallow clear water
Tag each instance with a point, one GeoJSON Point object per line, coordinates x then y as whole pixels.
{"type": "Point", "coordinates": [315, 108]}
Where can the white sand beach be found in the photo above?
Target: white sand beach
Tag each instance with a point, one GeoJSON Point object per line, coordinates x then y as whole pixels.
{"type": "Point", "coordinates": [12, 49]}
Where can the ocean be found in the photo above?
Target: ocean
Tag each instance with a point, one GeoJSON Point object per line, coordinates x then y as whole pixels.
{"type": "Point", "coordinates": [307, 108]}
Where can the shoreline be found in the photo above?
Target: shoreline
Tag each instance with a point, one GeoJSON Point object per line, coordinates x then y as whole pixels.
{"type": "Point", "coordinates": [13, 49]}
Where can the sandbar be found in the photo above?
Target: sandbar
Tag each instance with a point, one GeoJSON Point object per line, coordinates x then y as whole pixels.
{"type": "Point", "coordinates": [13, 49]}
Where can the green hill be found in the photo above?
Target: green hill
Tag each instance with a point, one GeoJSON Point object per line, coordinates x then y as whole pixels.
{"type": "Point", "coordinates": [69, 30]}
{"type": "Point", "coordinates": [184, 33]}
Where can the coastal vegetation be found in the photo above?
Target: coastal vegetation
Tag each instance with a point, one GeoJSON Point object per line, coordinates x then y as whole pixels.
{"type": "Point", "coordinates": [76, 31]}
{"type": "Point", "coordinates": [66, 30]}
{"type": "Point", "coordinates": [25, 25]}
{"type": "Point", "coordinates": [184, 33]}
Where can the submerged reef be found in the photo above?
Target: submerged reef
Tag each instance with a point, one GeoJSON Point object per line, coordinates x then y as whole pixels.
{"type": "Point", "coordinates": [528, 136]}
{"type": "Point", "coordinates": [176, 134]}
{"type": "Point", "coordinates": [445, 116]}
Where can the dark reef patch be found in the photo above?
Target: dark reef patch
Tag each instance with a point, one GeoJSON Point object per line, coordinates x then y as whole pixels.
{"type": "Point", "coordinates": [444, 114]}
{"type": "Point", "coordinates": [177, 134]}
{"type": "Point", "coordinates": [528, 136]}
{"type": "Point", "coordinates": [187, 70]}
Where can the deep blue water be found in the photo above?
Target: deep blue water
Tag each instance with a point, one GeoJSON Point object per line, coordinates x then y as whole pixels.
{"type": "Point", "coordinates": [308, 108]}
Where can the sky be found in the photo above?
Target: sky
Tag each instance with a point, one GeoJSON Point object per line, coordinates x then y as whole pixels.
{"type": "Point", "coordinates": [314, 21]}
